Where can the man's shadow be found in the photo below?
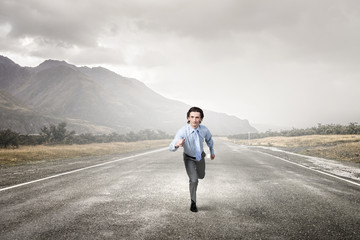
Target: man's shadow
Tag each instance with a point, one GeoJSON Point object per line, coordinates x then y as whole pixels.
{"type": "Point", "coordinates": [205, 208]}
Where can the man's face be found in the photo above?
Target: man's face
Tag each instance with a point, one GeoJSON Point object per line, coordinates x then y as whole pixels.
{"type": "Point", "coordinates": [195, 119]}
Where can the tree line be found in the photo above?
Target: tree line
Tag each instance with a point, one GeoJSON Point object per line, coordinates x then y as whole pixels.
{"type": "Point", "coordinates": [58, 134]}
{"type": "Point", "coordinates": [330, 129]}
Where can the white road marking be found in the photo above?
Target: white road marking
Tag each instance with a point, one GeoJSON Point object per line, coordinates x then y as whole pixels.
{"type": "Point", "coordinates": [315, 170]}
{"type": "Point", "coordinates": [82, 169]}
{"type": "Point", "coordinates": [235, 147]}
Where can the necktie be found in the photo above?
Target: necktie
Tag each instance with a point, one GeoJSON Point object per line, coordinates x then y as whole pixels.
{"type": "Point", "coordinates": [197, 146]}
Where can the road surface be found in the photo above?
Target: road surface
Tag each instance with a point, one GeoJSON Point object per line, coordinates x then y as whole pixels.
{"type": "Point", "coordinates": [245, 195]}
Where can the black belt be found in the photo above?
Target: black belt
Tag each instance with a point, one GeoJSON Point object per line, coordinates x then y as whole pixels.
{"type": "Point", "coordinates": [193, 157]}
{"type": "Point", "coordinates": [189, 156]}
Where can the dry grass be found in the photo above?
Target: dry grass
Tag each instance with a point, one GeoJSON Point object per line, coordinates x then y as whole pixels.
{"type": "Point", "coordinates": [346, 151]}
{"type": "Point", "coordinates": [40, 153]}
{"type": "Point", "coordinates": [338, 147]}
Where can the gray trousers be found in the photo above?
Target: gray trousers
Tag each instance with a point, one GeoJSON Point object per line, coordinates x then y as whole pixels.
{"type": "Point", "coordinates": [195, 170]}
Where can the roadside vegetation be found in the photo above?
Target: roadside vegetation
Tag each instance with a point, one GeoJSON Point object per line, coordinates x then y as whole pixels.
{"type": "Point", "coordinates": [27, 154]}
{"type": "Point", "coordinates": [326, 141]}
{"type": "Point", "coordinates": [52, 134]}
{"type": "Point", "coordinates": [329, 129]}
{"type": "Point", "coordinates": [56, 142]}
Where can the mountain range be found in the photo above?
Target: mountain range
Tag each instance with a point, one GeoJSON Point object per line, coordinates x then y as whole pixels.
{"type": "Point", "coordinates": [92, 100]}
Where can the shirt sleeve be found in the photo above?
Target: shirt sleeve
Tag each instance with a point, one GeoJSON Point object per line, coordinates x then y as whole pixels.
{"type": "Point", "coordinates": [179, 135]}
{"type": "Point", "coordinates": [209, 141]}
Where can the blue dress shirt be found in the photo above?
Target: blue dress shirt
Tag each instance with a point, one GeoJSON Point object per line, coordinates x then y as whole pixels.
{"type": "Point", "coordinates": [188, 133]}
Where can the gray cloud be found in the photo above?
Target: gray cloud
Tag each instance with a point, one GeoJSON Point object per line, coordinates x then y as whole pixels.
{"type": "Point", "coordinates": [310, 30]}
{"type": "Point", "coordinates": [52, 24]}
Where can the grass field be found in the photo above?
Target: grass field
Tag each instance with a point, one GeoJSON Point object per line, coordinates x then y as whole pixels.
{"type": "Point", "coordinates": [26, 154]}
{"type": "Point", "coordinates": [337, 147]}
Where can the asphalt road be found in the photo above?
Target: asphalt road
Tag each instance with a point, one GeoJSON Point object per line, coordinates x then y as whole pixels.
{"type": "Point", "coordinates": [245, 195]}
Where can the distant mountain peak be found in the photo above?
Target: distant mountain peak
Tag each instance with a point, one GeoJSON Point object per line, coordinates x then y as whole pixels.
{"type": "Point", "coordinates": [102, 74]}
{"type": "Point", "coordinates": [98, 70]}
{"type": "Point", "coordinates": [53, 63]}
{"type": "Point", "coordinates": [5, 60]}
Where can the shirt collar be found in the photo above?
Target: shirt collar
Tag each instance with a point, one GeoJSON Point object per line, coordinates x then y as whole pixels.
{"type": "Point", "coordinates": [192, 129]}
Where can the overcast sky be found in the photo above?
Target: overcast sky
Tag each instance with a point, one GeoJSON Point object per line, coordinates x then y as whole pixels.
{"type": "Point", "coordinates": [278, 62]}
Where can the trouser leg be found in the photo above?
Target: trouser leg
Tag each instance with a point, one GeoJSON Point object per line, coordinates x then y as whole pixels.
{"type": "Point", "coordinates": [200, 167]}
{"type": "Point", "coordinates": [195, 170]}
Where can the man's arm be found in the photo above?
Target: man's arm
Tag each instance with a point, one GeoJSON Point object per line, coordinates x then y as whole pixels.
{"type": "Point", "coordinates": [179, 141]}
{"type": "Point", "coordinates": [175, 145]}
{"type": "Point", "coordinates": [209, 141]}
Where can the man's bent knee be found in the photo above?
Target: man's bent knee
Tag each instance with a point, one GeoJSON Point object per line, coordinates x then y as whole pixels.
{"type": "Point", "coordinates": [201, 176]}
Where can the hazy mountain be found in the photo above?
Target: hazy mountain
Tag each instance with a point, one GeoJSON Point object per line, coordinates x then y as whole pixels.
{"type": "Point", "coordinates": [13, 114]}
{"type": "Point", "coordinates": [92, 100]}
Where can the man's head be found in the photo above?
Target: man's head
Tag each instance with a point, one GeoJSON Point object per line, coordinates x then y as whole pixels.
{"type": "Point", "coordinates": [194, 116]}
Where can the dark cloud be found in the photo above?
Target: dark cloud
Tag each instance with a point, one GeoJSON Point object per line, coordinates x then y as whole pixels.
{"type": "Point", "coordinates": [320, 30]}
{"type": "Point", "coordinates": [65, 23]}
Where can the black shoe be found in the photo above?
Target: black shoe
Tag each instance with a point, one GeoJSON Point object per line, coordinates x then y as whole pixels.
{"type": "Point", "coordinates": [193, 207]}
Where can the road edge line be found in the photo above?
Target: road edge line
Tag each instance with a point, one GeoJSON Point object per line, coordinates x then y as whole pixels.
{"type": "Point", "coordinates": [315, 170]}
{"type": "Point", "coordinates": [82, 169]}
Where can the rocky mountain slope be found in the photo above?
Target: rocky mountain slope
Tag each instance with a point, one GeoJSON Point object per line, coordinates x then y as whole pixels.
{"type": "Point", "coordinates": [92, 100]}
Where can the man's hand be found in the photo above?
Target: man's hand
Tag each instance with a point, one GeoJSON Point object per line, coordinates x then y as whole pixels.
{"type": "Point", "coordinates": [180, 143]}
{"type": "Point", "coordinates": [212, 156]}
